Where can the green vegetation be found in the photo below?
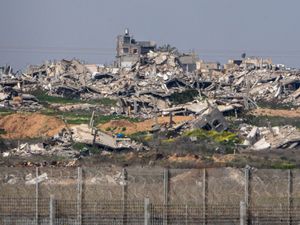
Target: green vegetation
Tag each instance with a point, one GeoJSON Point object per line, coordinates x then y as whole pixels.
{"type": "Point", "coordinates": [169, 140]}
{"type": "Point", "coordinates": [224, 137]}
{"type": "Point", "coordinates": [82, 147]}
{"type": "Point", "coordinates": [275, 105]}
{"type": "Point", "coordinates": [283, 165]}
{"type": "Point", "coordinates": [103, 101]}
{"type": "Point", "coordinates": [141, 136]}
{"type": "Point", "coordinates": [224, 141]}
{"type": "Point", "coordinates": [84, 117]}
{"type": "Point", "coordinates": [2, 131]}
{"type": "Point", "coordinates": [4, 112]}
{"type": "Point", "coordinates": [264, 121]}
{"type": "Point", "coordinates": [45, 99]}
{"type": "Point", "coordinates": [184, 97]}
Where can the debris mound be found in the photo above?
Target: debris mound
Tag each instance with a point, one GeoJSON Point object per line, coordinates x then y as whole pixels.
{"type": "Point", "coordinates": [20, 126]}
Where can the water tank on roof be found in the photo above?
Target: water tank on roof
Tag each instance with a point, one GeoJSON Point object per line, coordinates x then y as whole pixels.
{"type": "Point", "coordinates": [126, 31]}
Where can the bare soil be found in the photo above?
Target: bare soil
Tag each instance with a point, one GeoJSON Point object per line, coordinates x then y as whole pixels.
{"type": "Point", "coordinates": [127, 127]}
{"type": "Point", "coordinates": [29, 125]}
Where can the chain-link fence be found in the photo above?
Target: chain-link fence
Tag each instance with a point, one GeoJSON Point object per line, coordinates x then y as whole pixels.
{"type": "Point", "coordinates": [113, 195]}
{"type": "Point", "coordinates": [65, 212]}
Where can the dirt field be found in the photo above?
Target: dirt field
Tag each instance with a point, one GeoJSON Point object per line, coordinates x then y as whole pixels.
{"type": "Point", "coordinates": [28, 125]}
{"type": "Point", "coordinates": [126, 127]}
{"type": "Point", "coordinates": [276, 112]}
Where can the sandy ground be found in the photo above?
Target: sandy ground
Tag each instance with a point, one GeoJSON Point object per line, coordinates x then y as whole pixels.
{"type": "Point", "coordinates": [30, 125]}
{"type": "Point", "coordinates": [276, 112]}
{"type": "Point", "coordinates": [118, 126]}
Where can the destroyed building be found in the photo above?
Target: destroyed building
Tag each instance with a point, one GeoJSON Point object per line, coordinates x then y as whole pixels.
{"type": "Point", "coordinates": [257, 62]}
{"type": "Point", "coordinates": [207, 67]}
{"type": "Point", "coordinates": [249, 63]}
{"type": "Point", "coordinates": [189, 62]}
{"type": "Point", "coordinates": [129, 50]}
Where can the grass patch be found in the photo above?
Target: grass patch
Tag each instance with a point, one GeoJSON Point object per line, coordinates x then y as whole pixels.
{"type": "Point", "coordinates": [84, 117]}
{"type": "Point", "coordinates": [223, 140]}
{"type": "Point", "coordinates": [45, 99]}
{"type": "Point", "coordinates": [184, 97]}
{"type": "Point", "coordinates": [141, 136]}
{"type": "Point", "coordinates": [103, 101]}
{"type": "Point", "coordinates": [69, 117]}
{"type": "Point", "coordinates": [83, 147]}
{"type": "Point", "coordinates": [106, 118]}
{"type": "Point", "coordinates": [169, 140]}
{"type": "Point", "coordinates": [224, 137]}
{"type": "Point", "coordinates": [283, 165]}
{"type": "Point", "coordinates": [275, 105]}
{"type": "Point", "coordinates": [264, 121]}
{"type": "Point", "coordinates": [5, 112]}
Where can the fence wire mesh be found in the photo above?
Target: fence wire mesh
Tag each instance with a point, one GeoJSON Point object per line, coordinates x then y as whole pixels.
{"type": "Point", "coordinates": [176, 196]}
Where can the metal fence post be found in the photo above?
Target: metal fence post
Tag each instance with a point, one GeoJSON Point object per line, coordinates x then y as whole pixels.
{"type": "Point", "coordinates": [37, 196]}
{"type": "Point", "coordinates": [79, 196]}
{"type": "Point", "coordinates": [166, 195]}
{"type": "Point", "coordinates": [51, 210]}
{"type": "Point", "coordinates": [290, 197]}
{"type": "Point", "coordinates": [204, 196]}
{"type": "Point", "coordinates": [146, 211]}
{"type": "Point", "coordinates": [243, 213]}
{"type": "Point", "coordinates": [247, 191]}
{"type": "Point", "coordinates": [124, 195]}
{"type": "Point", "coordinates": [186, 214]}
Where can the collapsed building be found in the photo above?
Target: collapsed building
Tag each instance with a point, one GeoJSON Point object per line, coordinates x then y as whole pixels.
{"type": "Point", "coordinates": [268, 138]}
{"type": "Point", "coordinates": [147, 83]}
{"type": "Point", "coordinates": [129, 50]}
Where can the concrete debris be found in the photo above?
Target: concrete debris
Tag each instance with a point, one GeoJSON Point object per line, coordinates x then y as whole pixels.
{"type": "Point", "coordinates": [262, 144]}
{"type": "Point", "coordinates": [38, 179]}
{"type": "Point", "coordinates": [148, 85]}
{"type": "Point", "coordinates": [210, 119]}
{"type": "Point", "coordinates": [11, 179]}
{"type": "Point", "coordinates": [13, 99]}
{"type": "Point", "coordinates": [84, 134]}
{"type": "Point", "coordinates": [58, 145]}
{"type": "Point", "coordinates": [207, 117]}
{"type": "Point", "coordinates": [262, 138]}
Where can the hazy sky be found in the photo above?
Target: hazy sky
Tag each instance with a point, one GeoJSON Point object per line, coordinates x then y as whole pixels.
{"type": "Point", "coordinates": [33, 31]}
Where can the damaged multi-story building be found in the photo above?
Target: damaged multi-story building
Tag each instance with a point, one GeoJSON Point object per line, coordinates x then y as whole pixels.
{"type": "Point", "coordinates": [188, 62]}
{"type": "Point", "coordinates": [129, 50]}
{"type": "Point", "coordinates": [248, 63]}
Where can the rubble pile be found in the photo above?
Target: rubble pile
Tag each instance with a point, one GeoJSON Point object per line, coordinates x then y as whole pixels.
{"type": "Point", "coordinates": [58, 145]}
{"type": "Point", "coordinates": [11, 94]}
{"type": "Point", "coordinates": [148, 85]}
{"type": "Point", "coordinates": [262, 138]}
{"type": "Point", "coordinates": [64, 78]}
{"type": "Point", "coordinates": [256, 85]}
{"type": "Point", "coordinates": [84, 134]}
{"type": "Point", "coordinates": [157, 84]}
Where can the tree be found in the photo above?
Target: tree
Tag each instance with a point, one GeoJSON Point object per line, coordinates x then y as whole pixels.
{"type": "Point", "coordinates": [168, 48]}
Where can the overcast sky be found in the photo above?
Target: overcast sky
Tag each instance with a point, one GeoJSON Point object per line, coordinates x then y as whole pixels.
{"type": "Point", "coordinates": [33, 31]}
